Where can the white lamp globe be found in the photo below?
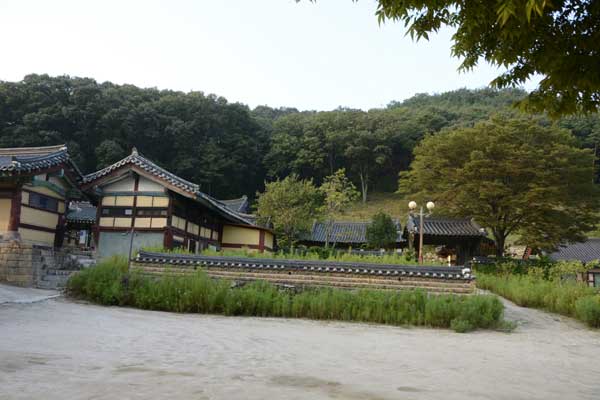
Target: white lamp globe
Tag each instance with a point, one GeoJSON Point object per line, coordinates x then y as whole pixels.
{"type": "Point", "coordinates": [430, 205]}
{"type": "Point", "coordinates": [412, 205]}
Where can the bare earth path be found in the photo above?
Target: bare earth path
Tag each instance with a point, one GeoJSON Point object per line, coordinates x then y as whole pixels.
{"type": "Point", "coordinates": [59, 349]}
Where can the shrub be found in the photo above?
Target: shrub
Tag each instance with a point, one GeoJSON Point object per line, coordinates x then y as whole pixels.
{"type": "Point", "coordinates": [588, 310]}
{"type": "Point", "coordinates": [102, 284]}
{"type": "Point", "coordinates": [563, 297]}
{"type": "Point", "coordinates": [461, 326]}
{"type": "Point", "coordinates": [109, 284]}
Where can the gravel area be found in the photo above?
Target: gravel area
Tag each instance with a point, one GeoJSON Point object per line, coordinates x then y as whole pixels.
{"type": "Point", "coordinates": [60, 349]}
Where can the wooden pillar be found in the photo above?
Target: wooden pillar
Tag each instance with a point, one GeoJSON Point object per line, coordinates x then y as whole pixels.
{"type": "Point", "coordinates": [15, 209]}
{"type": "Point", "coordinates": [220, 233]}
{"type": "Point", "coordinates": [261, 241]}
{"type": "Point", "coordinates": [168, 239]}
{"type": "Point", "coordinates": [96, 226]}
{"type": "Point", "coordinates": [136, 185]}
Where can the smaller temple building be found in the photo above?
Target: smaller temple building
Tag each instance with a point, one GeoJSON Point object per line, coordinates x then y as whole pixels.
{"type": "Point", "coordinates": [458, 239]}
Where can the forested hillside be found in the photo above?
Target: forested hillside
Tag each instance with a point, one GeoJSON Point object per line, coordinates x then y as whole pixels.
{"type": "Point", "coordinates": [231, 150]}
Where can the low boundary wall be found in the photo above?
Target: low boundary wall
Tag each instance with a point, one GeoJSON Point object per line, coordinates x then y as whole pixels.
{"type": "Point", "coordinates": [297, 273]}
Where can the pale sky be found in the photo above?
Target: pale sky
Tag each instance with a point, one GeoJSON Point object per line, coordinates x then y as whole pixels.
{"type": "Point", "coordinates": [275, 52]}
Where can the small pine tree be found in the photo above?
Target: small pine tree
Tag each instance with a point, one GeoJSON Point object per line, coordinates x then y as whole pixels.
{"type": "Point", "coordinates": [382, 231]}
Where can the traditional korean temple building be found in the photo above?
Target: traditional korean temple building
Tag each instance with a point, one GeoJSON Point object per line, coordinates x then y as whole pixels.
{"type": "Point", "coordinates": [36, 184]}
{"type": "Point", "coordinates": [344, 234]}
{"type": "Point", "coordinates": [164, 210]}
{"type": "Point", "coordinates": [588, 252]}
{"type": "Point", "coordinates": [459, 238]}
{"type": "Point", "coordinates": [46, 201]}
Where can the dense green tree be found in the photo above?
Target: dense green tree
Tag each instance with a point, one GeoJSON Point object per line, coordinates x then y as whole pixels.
{"type": "Point", "coordinates": [382, 232]}
{"type": "Point", "coordinates": [108, 152]}
{"type": "Point", "coordinates": [338, 193]}
{"type": "Point", "coordinates": [366, 152]}
{"type": "Point", "coordinates": [559, 40]}
{"type": "Point", "coordinates": [513, 175]}
{"type": "Point", "coordinates": [290, 206]}
{"type": "Point", "coordinates": [230, 150]}
{"type": "Point", "coordinates": [202, 137]}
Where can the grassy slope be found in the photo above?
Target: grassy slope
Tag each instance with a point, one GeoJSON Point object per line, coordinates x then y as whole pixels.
{"type": "Point", "coordinates": [390, 203]}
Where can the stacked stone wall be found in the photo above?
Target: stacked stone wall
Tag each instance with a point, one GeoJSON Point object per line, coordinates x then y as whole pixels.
{"type": "Point", "coordinates": [24, 264]}
{"type": "Point", "coordinates": [20, 263]}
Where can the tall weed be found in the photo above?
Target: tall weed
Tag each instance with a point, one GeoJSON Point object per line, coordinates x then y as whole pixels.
{"type": "Point", "coordinates": [110, 284]}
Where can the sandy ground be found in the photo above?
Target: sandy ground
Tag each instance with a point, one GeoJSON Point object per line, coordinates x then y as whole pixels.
{"type": "Point", "coordinates": [59, 349]}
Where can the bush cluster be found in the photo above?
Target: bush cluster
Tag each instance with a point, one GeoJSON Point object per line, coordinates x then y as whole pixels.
{"type": "Point", "coordinates": [566, 297]}
{"type": "Point", "coordinates": [108, 283]}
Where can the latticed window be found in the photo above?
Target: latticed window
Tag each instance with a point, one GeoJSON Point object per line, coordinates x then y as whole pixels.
{"type": "Point", "coordinates": [43, 202]}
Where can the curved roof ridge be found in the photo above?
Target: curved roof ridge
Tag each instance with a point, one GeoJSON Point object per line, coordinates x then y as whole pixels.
{"type": "Point", "coordinates": [31, 159]}
{"type": "Point", "coordinates": [144, 163]}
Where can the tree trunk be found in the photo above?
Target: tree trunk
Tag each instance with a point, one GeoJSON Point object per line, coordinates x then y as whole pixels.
{"type": "Point", "coordinates": [500, 241]}
{"type": "Point", "coordinates": [364, 186]}
{"type": "Point", "coordinates": [594, 162]}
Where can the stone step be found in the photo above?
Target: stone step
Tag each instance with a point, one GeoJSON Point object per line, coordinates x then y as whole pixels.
{"type": "Point", "coordinates": [53, 281]}
{"type": "Point", "coordinates": [61, 272]}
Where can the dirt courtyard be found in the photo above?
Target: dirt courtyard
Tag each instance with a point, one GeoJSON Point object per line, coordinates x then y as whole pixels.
{"type": "Point", "coordinates": [58, 349]}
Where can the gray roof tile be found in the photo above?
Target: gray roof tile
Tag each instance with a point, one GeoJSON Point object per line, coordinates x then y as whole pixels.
{"type": "Point", "coordinates": [442, 226]}
{"type": "Point", "coordinates": [584, 251]}
{"type": "Point", "coordinates": [33, 159]}
{"type": "Point", "coordinates": [136, 159]}
{"type": "Point", "coordinates": [82, 212]}
{"type": "Point", "coordinates": [343, 232]}
{"type": "Point", "coordinates": [237, 205]}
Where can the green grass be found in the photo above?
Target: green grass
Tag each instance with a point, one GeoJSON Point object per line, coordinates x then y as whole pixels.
{"type": "Point", "coordinates": [390, 203]}
{"type": "Point", "coordinates": [568, 298]}
{"type": "Point", "coordinates": [109, 284]}
{"type": "Point", "coordinates": [341, 256]}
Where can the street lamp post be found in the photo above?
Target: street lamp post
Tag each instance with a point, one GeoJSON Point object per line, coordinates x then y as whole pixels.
{"type": "Point", "coordinates": [412, 206]}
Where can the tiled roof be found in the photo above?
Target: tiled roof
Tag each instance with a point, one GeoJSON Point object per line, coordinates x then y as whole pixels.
{"type": "Point", "coordinates": [237, 205]}
{"type": "Point", "coordinates": [193, 189]}
{"type": "Point", "coordinates": [584, 251]}
{"type": "Point", "coordinates": [82, 212]}
{"type": "Point", "coordinates": [33, 159]}
{"type": "Point", "coordinates": [343, 232]}
{"type": "Point", "coordinates": [136, 159]}
{"type": "Point", "coordinates": [441, 226]}
{"type": "Point", "coordinates": [214, 203]}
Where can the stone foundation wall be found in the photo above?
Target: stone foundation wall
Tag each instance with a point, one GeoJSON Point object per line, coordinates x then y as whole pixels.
{"type": "Point", "coordinates": [20, 263]}
{"type": "Point", "coordinates": [24, 264]}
